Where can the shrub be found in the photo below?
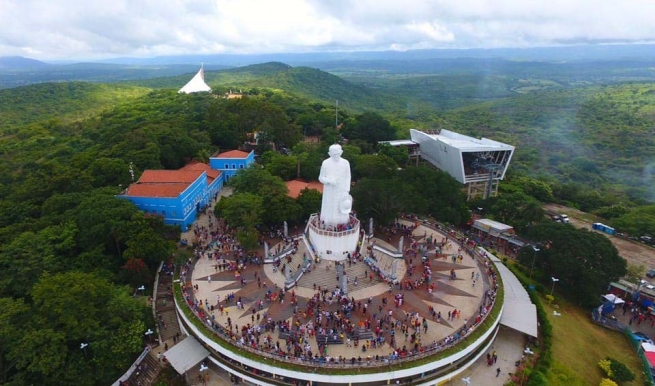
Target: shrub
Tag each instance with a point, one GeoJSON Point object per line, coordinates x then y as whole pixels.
{"type": "Point", "coordinates": [607, 382]}
{"type": "Point", "coordinates": [616, 370]}
{"type": "Point", "coordinates": [537, 378]}
{"type": "Point", "coordinates": [620, 372]}
{"type": "Point", "coordinates": [606, 366]}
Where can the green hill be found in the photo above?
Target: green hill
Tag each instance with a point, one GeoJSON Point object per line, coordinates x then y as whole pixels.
{"type": "Point", "coordinates": [64, 101]}
{"type": "Point", "coordinates": [601, 136]}
{"type": "Point", "coordinates": [305, 82]}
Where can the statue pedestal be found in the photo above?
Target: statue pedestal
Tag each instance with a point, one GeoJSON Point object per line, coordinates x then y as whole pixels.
{"type": "Point", "coordinates": [333, 244]}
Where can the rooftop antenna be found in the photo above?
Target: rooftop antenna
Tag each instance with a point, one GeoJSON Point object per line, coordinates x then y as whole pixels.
{"type": "Point", "coordinates": [336, 115]}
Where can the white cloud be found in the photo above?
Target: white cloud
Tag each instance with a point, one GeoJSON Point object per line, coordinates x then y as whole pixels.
{"type": "Point", "coordinates": [65, 29]}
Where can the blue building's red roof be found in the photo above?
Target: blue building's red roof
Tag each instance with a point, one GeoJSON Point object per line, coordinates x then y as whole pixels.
{"type": "Point", "coordinates": [168, 176]}
{"type": "Point", "coordinates": [212, 174]}
{"type": "Point", "coordinates": [168, 190]}
{"type": "Point", "coordinates": [232, 154]}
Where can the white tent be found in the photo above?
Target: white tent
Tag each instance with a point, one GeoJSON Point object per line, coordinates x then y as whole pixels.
{"type": "Point", "coordinates": [186, 354]}
{"type": "Point", "coordinates": [613, 298]}
{"type": "Point", "coordinates": [196, 84]}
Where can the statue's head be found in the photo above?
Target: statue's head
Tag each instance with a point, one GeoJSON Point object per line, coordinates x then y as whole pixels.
{"type": "Point", "coordinates": [335, 151]}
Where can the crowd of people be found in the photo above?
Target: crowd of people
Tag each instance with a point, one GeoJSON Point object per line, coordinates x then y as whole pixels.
{"type": "Point", "coordinates": [329, 316]}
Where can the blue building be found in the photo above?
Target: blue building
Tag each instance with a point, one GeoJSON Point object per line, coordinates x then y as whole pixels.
{"type": "Point", "coordinates": [176, 195]}
{"type": "Point", "coordinates": [230, 162]}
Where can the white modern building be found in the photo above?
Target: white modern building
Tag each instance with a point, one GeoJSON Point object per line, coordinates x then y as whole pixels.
{"type": "Point", "coordinates": [479, 164]}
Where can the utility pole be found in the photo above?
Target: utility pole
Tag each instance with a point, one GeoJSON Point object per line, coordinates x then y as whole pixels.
{"type": "Point", "coordinates": [336, 115]}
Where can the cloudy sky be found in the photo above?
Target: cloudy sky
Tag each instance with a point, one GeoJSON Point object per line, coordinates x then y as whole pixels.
{"type": "Point", "coordinates": [93, 29]}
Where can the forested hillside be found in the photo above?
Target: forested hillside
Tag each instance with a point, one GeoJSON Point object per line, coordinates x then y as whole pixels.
{"type": "Point", "coordinates": [305, 82]}
{"type": "Point", "coordinates": [598, 137]}
{"type": "Point", "coordinates": [66, 150]}
{"type": "Point", "coordinates": [66, 102]}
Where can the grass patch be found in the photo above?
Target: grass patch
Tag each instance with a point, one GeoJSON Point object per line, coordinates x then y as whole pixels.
{"type": "Point", "coordinates": [578, 345]}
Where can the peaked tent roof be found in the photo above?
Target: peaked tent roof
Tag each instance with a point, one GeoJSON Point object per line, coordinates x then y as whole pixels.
{"type": "Point", "coordinates": [186, 354]}
{"type": "Point", "coordinates": [196, 84]}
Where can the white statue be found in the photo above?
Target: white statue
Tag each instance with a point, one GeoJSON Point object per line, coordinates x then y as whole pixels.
{"type": "Point", "coordinates": [335, 177]}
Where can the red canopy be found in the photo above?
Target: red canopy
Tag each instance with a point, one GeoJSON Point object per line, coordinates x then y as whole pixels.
{"type": "Point", "coordinates": [651, 357]}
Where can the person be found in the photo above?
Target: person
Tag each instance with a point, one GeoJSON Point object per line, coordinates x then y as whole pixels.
{"type": "Point", "coordinates": [497, 372]}
{"type": "Point", "coordinates": [335, 177]}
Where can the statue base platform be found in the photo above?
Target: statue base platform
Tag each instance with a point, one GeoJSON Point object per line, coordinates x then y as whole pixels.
{"type": "Point", "coordinates": [333, 243]}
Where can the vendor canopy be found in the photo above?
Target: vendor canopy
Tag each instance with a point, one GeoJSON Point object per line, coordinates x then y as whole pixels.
{"type": "Point", "coordinates": [186, 354]}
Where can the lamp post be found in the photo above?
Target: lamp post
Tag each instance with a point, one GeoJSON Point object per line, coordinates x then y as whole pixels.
{"type": "Point", "coordinates": [553, 286]}
{"type": "Point", "coordinates": [149, 334]}
{"type": "Point", "coordinates": [534, 259]}
{"type": "Point", "coordinates": [142, 289]}
{"type": "Point", "coordinates": [83, 347]}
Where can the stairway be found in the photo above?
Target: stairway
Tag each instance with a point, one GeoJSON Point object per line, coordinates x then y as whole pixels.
{"type": "Point", "coordinates": [165, 307]}
{"type": "Point", "coordinates": [148, 372]}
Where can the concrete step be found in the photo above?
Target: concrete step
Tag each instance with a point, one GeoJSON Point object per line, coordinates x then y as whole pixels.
{"type": "Point", "coordinates": [150, 369]}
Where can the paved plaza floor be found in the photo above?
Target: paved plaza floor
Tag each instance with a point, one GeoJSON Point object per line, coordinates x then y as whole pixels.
{"type": "Point", "coordinates": [448, 294]}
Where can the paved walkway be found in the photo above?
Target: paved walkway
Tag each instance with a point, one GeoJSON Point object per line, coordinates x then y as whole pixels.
{"type": "Point", "coordinates": [509, 346]}
{"type": "Point", "coordinates": [448, 295]}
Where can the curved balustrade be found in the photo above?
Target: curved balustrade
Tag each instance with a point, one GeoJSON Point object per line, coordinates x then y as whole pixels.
{"type": "Point", "coordinates": [438, 359]}
{"type": "Point", "coordinates": [323, 232]}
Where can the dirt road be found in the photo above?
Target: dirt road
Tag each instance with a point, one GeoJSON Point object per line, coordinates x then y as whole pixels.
{"type": "Point", "coordinates": [634, 252]}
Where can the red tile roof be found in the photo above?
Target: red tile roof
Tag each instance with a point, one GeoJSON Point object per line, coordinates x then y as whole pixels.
{"type": "Point", "coordinates": [232, 154]}
{"type": "Point", "coordinates": [156, 189]}
{"type": "Point", "coordinates": [296, 186]}
{"type": "Point", "coordinates": [169, 176]}
{"type": "Point", "coordinates": [212, 174]}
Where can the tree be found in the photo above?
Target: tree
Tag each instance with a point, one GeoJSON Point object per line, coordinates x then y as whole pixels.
{"type": "Point", "coordinates": [397, 153]}
{"type": "Point", "coordinates": [309, 201]}
{"type": "Point", "coordinates": [371, 127]}
{"type": "Point", "coordinates": [29, 255]}
{"type": "Point", "coordinates": [280, 208]}
{"type": "Point", "coordinates": [258, 181]}
{"type": "Point", "coordinates": [95, 217]}
{"type": "Point", "coordinates": [241, 209]}
{"type": "Point", "coordinates": [517, 209]}
{"type": "Point", "coordinates": [149, 246]}
{"type": "Point", "coordinates": [635, 273]}
{"type": "Point", "coordinates": [584, 262]}
{"type": "Point", "coordinates": [14, 315]}
{"type": "Point", "coordinates": [439, 194]}
{"type": "Point", "coordinates": [283, 166]}
{"type": "Point", "coordinates": [248, 237]}
{"type": "Point", "coordinates": [384, 199]}
{"type": "Point", "coordinates": [375, 166]}
{"type": "Point", "coordinates": [638, 222]}
{"type": "Point", "coordinates": [73, 308]}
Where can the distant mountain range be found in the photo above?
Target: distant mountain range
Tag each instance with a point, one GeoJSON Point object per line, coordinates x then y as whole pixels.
{"type": "Point", "coordinates": [564, 53]}
{"type": "Point", "coordinates": [637, 60]}
{"type": "Point", "coordinates": [16, 62]}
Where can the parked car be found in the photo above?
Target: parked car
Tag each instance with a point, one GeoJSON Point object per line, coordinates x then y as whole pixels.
{"type": "Point", "coordinates": [565, 218]}
{"type": "Point", "coordinates": [651, 273]}
{"type": "Point", "coordinates": [642, 337]}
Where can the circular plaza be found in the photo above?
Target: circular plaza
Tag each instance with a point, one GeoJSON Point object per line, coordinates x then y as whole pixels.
{"type": "Point", "coordinates": [414, 304]}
